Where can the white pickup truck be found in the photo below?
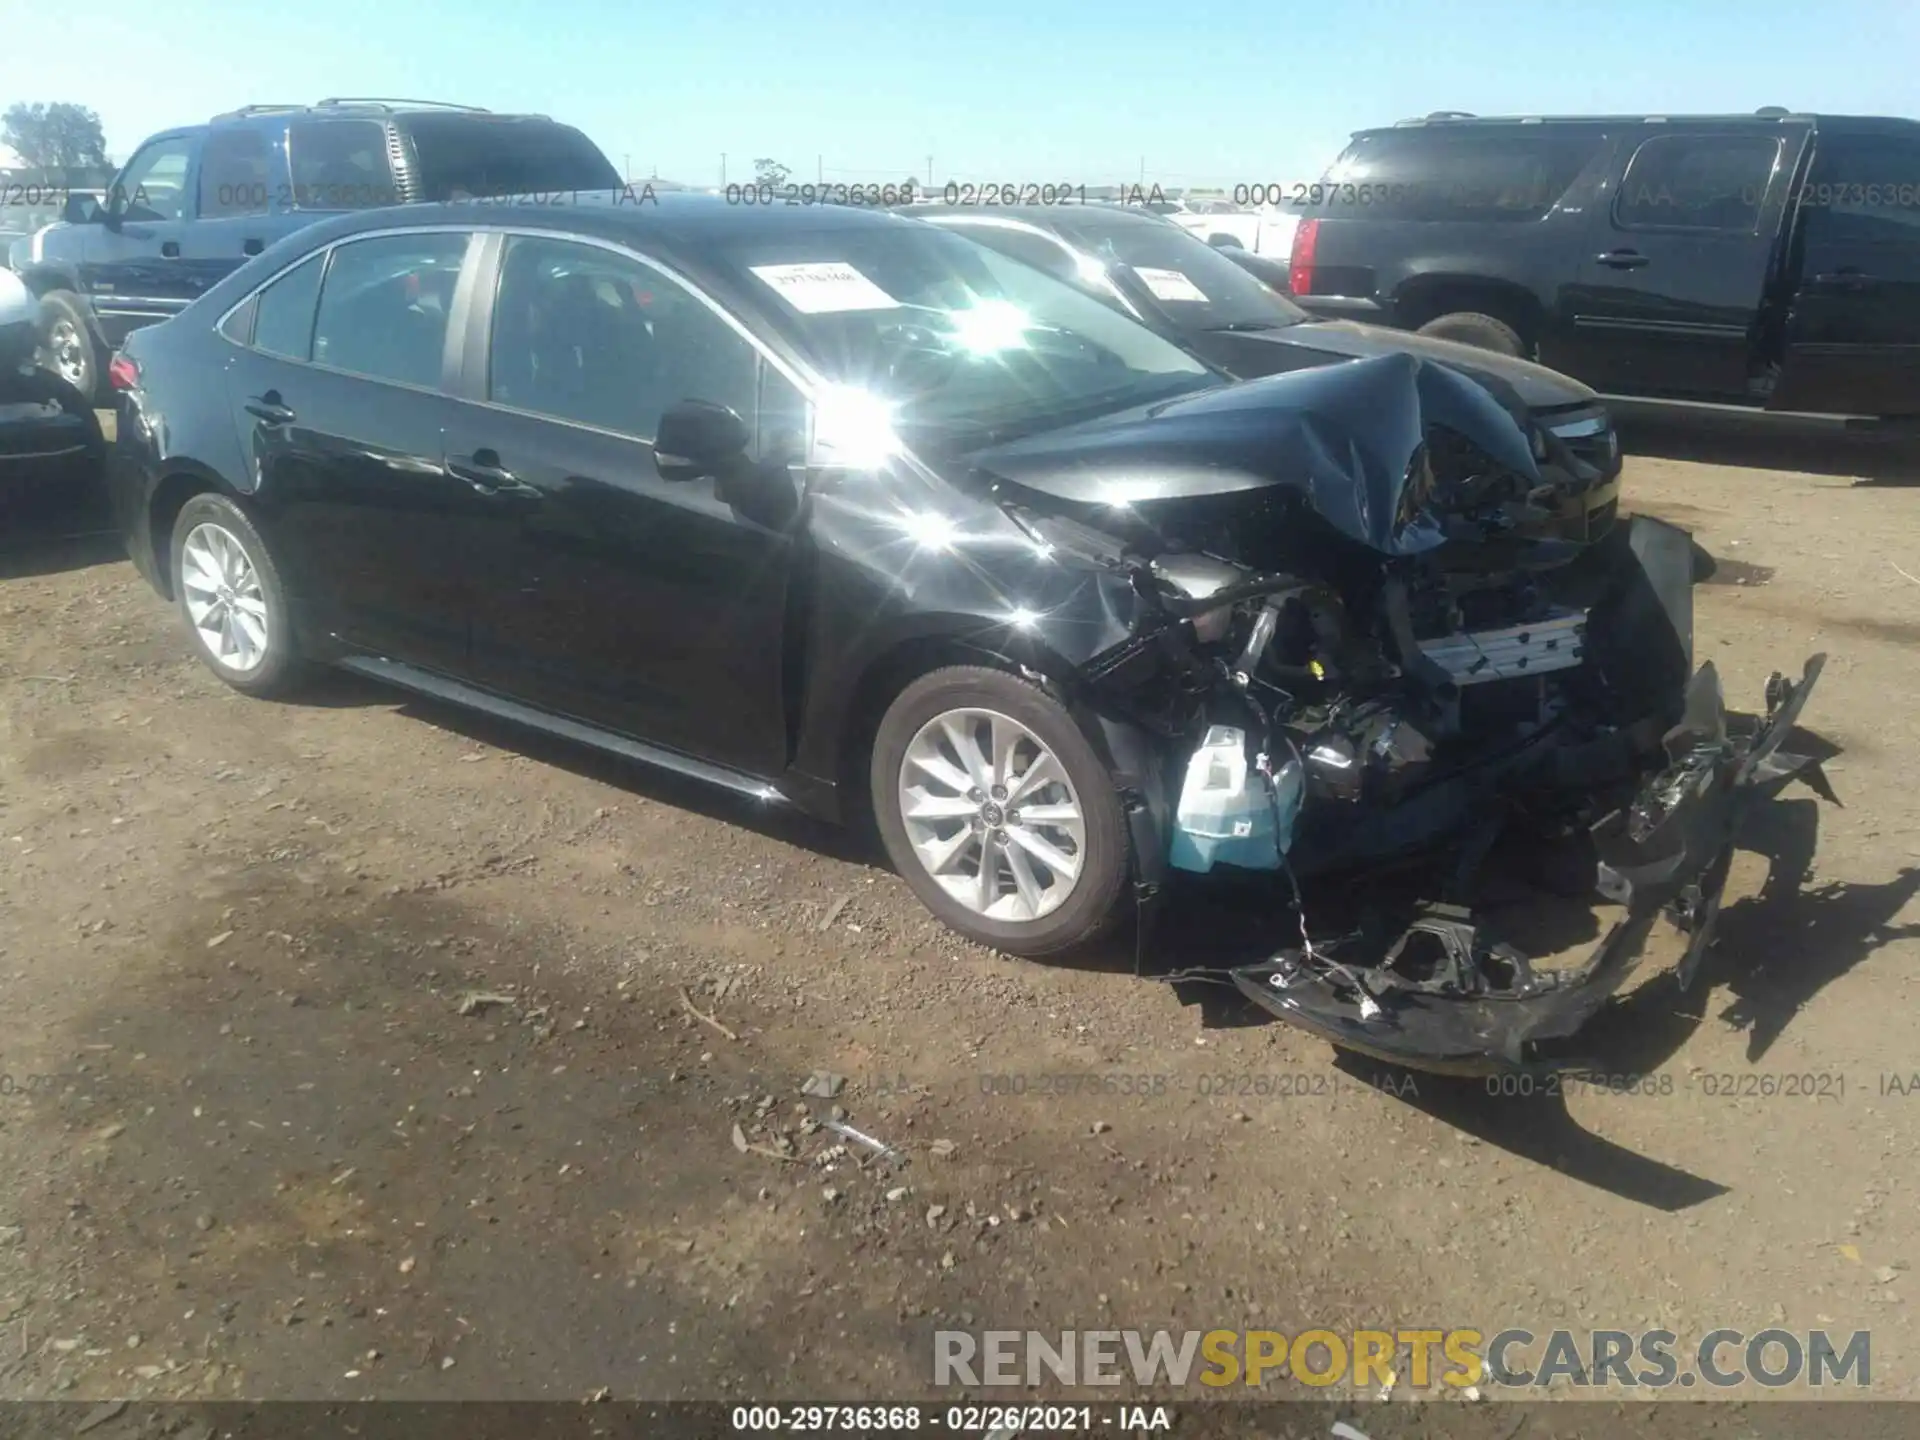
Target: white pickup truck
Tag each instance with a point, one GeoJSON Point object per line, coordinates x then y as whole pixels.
{"type": "Point", "coordinates": [1266, 230]}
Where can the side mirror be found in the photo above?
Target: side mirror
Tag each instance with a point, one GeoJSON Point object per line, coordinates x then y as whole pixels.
{"type": "Point", "coordinates": [698, 438]}
{"type": "Point", "coordinates": [81, 208]}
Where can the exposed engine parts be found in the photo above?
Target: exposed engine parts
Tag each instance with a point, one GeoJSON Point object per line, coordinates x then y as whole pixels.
{"type": "Point", "coordinates": [1333, 726]}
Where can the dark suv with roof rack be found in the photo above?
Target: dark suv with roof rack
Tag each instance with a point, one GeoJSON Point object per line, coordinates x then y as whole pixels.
{"type": "Point", "coordinates": [196, 202]}
{"type": "Point", "coordinates": [1768, 262]}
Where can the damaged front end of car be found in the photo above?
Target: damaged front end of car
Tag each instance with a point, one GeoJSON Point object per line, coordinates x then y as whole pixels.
{"type": "Point", "coordinates": [1353, 646]}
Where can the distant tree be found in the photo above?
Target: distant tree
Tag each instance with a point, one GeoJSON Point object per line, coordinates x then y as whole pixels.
{"type": "Point", "coordinates": [769, 172]}
{"type": "Point", "coordinates": [56, 136]}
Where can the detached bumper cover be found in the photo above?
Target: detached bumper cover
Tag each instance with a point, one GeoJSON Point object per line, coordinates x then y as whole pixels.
{"type": "Point", "coordinates": [46, 427]}
{"type": "Point", "coordinates": [1443, 997]}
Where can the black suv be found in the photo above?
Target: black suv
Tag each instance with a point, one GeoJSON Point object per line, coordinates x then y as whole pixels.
{"type": "Point", "coordinates": [196, 202]}
{"type": "Point", "coordinates": [1768, 261]}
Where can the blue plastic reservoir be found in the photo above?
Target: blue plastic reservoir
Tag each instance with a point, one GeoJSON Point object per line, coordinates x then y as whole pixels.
{"type": "Point", "coordinates": [1226, 815]}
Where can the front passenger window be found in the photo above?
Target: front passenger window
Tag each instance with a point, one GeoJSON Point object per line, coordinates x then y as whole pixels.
{"type": "Point", "coordinates": [153, 186]}
{"type": "Point", "coordinates": [385, 303]}
{"type": "Point", "coordinates": [598, 338]}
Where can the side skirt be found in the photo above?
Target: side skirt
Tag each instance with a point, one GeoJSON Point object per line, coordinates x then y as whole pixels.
{"type": "Point", "coordinates": [456, 692]}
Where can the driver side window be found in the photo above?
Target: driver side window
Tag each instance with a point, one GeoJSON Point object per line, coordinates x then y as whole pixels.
{"type": "Point", "coordinates": [601, 339]}
{"type": "Point", "coordinates": [153, 187]}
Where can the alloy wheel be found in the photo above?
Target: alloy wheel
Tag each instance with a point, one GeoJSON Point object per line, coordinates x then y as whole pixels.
{"type": "Point", "coordinates": [223, 597]}
{"type": "Point", "coordinates": [991, 815]}
{"type": "Point", "coordinates": [67, 352]}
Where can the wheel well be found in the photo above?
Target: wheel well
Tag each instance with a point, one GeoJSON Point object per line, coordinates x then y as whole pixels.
{"type": "Point", "coordinates": [883, 681]}
{"type": "Point", "coordinates": [1422, 300]}
{"type": "Point", "coordinates": [170, 497]}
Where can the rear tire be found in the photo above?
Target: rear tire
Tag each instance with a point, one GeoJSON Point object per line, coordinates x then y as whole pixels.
{"type": "Point", "coordinates": [230, 594]}
{"type": "Point", "coordinates": [992, 860]}
{"type": "Point", "coordinates": [1484, 332]}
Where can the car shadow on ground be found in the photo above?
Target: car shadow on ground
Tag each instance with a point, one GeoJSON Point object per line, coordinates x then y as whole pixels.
{"type": "Point", "coordinates": [853, 844]}
{"type": "Point", "coordinates": [1869, 458]}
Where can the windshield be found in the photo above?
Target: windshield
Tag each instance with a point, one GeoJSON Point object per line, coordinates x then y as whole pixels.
{"type": "Point", "coordinates": [962, 344]}
{"type": "Point", "coordinates": [1194, 287]}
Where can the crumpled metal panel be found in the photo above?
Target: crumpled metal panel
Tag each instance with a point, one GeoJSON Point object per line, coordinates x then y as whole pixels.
{"type": "Point", "coordinates": [1343, 436]}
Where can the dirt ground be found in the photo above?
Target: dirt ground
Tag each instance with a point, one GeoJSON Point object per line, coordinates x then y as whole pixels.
{"type": "Point", "coordinates": [360, 1047]}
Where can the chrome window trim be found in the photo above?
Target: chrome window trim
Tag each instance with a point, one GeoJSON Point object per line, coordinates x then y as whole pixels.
{"type": "Point", "coordinates": [805, 380]}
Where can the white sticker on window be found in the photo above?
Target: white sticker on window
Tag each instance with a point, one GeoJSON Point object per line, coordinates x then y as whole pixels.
{"type": "Point", "coordinates": [823, 287]}
{"type": "Point", "coordinates": [1170, 285]}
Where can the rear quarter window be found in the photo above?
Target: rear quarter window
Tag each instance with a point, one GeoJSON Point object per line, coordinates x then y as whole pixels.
{"type": "Point", "coordinates": [459, 157]}
{"type": "Point", "coordinates": [1453, 174]}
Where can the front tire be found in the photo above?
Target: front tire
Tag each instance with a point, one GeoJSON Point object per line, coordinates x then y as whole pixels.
{"type": "Point", "coordinates": [1483, 332]}
{"type": "Point", "coordinates": [231, 596]}
{"type": "Point", "coordinates": [998, 813]}
{"type": "Point", "coordinates": [66, 343]}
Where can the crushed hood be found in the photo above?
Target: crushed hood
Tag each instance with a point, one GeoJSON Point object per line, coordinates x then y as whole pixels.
{"type": "Point", "coordinates": [1344, 436]}
{"type": "Point", "coordinates": [1537, 386]}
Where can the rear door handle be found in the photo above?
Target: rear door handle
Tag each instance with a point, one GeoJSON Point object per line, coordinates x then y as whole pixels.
{"type": "Point", "coordinates": [170, 249]}
{"type": "Point", "coordinates": [268, 408]}
{"type": "Point", "coordinates": [1621, 259]}
{"type": "Point", "coordinates": [1850, 280]}
{"type": "Point", "coordinates": [252, 247]}
{"type": "Point", "coordinates": [484, 472]}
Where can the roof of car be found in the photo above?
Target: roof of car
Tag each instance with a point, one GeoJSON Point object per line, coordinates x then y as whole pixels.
{"type": "Point", "coordinates": [623, 215]}
{"type": "Point", "coordinates": [337, 106]}
{"type": "Point", "coordinates": [1048, 217]}
{"type": "Point", "coordinates": [1776, 115]}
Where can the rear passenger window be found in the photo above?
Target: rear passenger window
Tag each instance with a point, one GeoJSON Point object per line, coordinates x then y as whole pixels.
{"type": "Point", "coordinates": [584, 334]}
{"type": "Point", "coordinates": [1453, 173]}
{"type": "Point", "coordinates": [384, 306]}
{"type": "Point", "coordinates": [236, 173]}
{"type": "Point", "coordinates": [1696, 182]}
{"type": "Point", "coordinates": [340, 165]}
{"type": "Point", "coordinates": [283, 315]}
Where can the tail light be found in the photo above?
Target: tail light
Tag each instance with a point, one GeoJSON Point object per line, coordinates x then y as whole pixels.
{"type": "Point", "coordinates": [1300, 263]}
{"type": "Point", "coordinates": [123, 374]}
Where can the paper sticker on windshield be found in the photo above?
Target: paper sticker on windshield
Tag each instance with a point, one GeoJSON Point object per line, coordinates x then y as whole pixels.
{"type": "Point", "coordinates": [823, 287]}
{"type": "Point", "coordinates": [1170, 285]}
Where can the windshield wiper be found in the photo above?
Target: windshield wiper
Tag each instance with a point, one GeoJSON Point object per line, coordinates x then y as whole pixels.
{"type": "Point", "coordinates": [1248, 327]}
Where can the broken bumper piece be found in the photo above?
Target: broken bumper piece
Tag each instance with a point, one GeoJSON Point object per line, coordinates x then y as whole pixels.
{"type": "Point", "coordinates": [1445, 997]}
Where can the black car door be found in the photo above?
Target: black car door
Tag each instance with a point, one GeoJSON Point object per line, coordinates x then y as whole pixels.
{"type": "Point", "coordinates": [651, 607]}
{"type": "Point", "coordinates": [132, 266]}
{"type": "Point", "coordinates": [1853, 334]}
{"type": "Point", "coordinates": [341, 403]}
{"type": "Point", "coordinates": [1669, 299]}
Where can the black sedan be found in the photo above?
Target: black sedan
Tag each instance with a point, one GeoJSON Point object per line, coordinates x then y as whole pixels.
{"type": "Point", "coordinates": [839, 509]}
{"type": "Point", "coordinates": [1208, 300]}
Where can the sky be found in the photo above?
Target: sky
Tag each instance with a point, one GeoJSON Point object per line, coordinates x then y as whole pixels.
{"type": "Point", "coordinates": [1195, 92]}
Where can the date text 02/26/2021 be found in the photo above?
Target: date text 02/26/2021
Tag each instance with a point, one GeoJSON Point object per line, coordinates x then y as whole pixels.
{"type": "Point", "coordinates": [967, 1420]}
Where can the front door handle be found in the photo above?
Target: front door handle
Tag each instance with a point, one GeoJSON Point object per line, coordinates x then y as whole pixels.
{"type": "Point", "coordinates": [170, 249]}
{"type": "Point", "coordinates": [1621, 259]}
{"type": "Point", "coordinates": [484, 472]}
{"type": "Point", "coordinates": [268, 408]}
